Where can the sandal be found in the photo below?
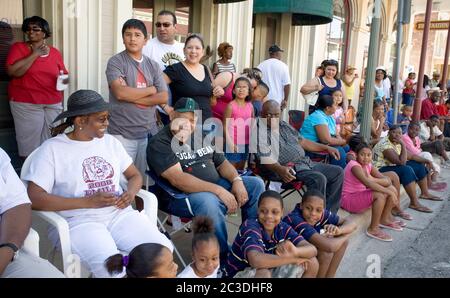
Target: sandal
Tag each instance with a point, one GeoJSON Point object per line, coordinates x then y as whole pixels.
{"type": "Point", "coordinates": [380, 235]}
{"type": "Point", "coordinates": [432, 198]}
{"type": "Point", "coordinates": [421, 208]}
{"type": "Point", "coordinates": [403, 215]}
{"type": "Point", "coordinates": [400, 223]}
{"type": "Point", "coordinates": [438, 186]}
{"type": "Point", "coordinates": [391, 226]}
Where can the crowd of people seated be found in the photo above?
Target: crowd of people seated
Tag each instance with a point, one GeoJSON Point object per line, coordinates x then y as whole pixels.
{"type": "Point", "coordinates": [198, 131]}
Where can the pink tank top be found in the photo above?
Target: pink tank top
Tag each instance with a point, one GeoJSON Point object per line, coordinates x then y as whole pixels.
{"type": "Point", "coordinates": [239, 124]}
{"type": "Point", "coordinates": [351, 183]}
{"type": "Point", "coordinates": [219, 109]}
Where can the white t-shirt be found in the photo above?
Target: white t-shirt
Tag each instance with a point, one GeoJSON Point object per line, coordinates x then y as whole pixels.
{"type": "Point", "coordinates": [75, 169]}
{"type": "Point", "coordinates": [164, 54]}
{"type": "Point", "coordinates": [189, 272]}
{"type": "Point", "coordinates": [387, 87]}
{"type": "Point", "coordinates": [12, 191]}
{"type": "Point", "coordinates": [276, 76]}
{"type": "Point", "coordinates": [424, 134]}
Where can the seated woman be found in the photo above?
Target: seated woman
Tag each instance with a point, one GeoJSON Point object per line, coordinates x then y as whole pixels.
{"type": "Point", "coordinates": [390, 154]}
{"type": "Point", "coordinates": [78, 175]}
{"type": "Point", "coordinates": [320, 127]}
{"type": "Point", "coordinates": [378, 129]}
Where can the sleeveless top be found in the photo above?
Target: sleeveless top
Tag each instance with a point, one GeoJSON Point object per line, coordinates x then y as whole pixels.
{"type": "Point", "coordinates": [329, 90]}
{"type": "Point", "coordinates": [224, 68]}
{"type": "Point", "coordinates": [240, 116]}
{"type": "Point", "coordinates": [219, 109]}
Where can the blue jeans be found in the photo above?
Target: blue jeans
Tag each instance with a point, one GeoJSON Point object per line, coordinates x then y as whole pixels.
{"type": "Point", "coordinates": [208, 204]}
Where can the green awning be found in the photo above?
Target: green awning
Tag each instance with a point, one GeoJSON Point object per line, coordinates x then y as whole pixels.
{"type": "Point", "coordinates": [226, 1]}
{"type": "Point", "coordinates": [304, 12]}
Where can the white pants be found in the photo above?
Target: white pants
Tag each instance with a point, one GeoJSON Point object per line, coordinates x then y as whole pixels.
{"type": "Point", "coordinates": [137, 149]}
{"type": "Point", "coordinates": [28, 265]}
{"type": "Point", "coordinates": [428, 156]}
{"type": "Point", "coordinates": [94, 242]}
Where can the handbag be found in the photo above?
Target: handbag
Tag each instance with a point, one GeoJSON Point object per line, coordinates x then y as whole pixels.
{"type": "Point", "coordinates": [312, 97]}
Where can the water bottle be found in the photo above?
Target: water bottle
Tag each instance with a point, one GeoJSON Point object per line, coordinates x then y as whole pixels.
{"type": "Point", "coordinates": [60, 86]}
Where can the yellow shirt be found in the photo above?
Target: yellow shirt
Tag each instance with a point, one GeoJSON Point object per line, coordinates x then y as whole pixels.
{"type": "Point", "coordinates": [378, 156]}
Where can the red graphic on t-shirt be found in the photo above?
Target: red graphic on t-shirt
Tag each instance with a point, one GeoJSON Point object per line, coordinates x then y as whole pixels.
{"type": "Point", "coordinates": [96, 169]}
{"type": "Point", "coordinates": [141, 82]}
{"type": "Point", "coordinates": [97, 174]}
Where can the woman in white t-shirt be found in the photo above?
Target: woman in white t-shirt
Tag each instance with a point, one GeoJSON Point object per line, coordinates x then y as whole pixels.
{"type": "Point", "coordinates": [78, 174]}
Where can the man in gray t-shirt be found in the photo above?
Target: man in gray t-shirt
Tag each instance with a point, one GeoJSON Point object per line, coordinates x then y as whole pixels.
{"type": "Point", "coordinates": [136, 87]}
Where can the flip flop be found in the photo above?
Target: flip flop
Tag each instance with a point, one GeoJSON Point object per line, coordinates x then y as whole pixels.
{"type": "Point", "coordinates": [400, 223]}
{"type": "Point", "coordinates": [403, 215]}
{"type": "Point", "coordinates": [391, 226]}
{"type": "Point", "coordinates": [421, 209]}
{"type": "Point", "coordinates": [433, 198]}
{"type": "Point", "coordinates": [382, 236]}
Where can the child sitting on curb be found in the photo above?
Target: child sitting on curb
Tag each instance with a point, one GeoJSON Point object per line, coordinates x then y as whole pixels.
{"type": "Point", "coordinates": [325, 230]}
{"type": "Point", "coordinates": [267, 247]}
{"type": "Point", "coordinates": [144, 261]}
{"type": "Point", "coordinates": [365, 187]}
{"type": "Point", "coordinates": [205, 250]}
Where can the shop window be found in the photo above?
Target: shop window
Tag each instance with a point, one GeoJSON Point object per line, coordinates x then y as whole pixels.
{"type": "Point", "coordinates": [183, 13]}
{"type": "Point", "coordinates": [143, 10]}
{"type": "Point", "coordinates": [336, 32]}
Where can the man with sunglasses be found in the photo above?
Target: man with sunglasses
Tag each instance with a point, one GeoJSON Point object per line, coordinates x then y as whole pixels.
{"type": "Point", "coordinates": [164, 49]}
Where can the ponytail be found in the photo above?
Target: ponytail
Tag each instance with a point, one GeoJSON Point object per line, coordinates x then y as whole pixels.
{"type": "Point", "coordinates": [203, 228]}
{"type": "Point", "coordinates": [62, 127]}
{"type": "Point", "coordinates": [116, 263]}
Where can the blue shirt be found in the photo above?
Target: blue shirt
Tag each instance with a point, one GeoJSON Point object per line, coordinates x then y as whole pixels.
{"type": "Point", "coordinates": [298, 223]}
{"type": "Point", "coordinates": [252, 236]}
{"type": "Point", "coordinates": [308, 130]}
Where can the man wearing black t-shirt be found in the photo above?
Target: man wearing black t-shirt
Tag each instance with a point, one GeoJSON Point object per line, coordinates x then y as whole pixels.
{"type": "Point", "coordinates": [213, 185]}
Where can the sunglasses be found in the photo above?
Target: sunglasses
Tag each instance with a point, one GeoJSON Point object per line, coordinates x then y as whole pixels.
{"type": "Point", "coordinates": [165, 25]}
{"type": "Point", "coordinates": [34, 29]}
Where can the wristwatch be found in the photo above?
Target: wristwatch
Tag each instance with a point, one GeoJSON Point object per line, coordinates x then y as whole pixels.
{"type": "Point", "coordinates": [13, 247]}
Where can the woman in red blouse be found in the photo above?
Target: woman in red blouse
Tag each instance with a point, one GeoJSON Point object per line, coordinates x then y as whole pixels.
{"type": "Point", "coordinates": [34, 68]}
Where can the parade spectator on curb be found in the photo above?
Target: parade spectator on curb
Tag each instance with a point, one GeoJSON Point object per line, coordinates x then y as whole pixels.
{"type": "Point", "coordinates": [390, 154]}
{"type": "Point", "coordinates": [292, 164]}
{"type": "Point", "coordinates": [165, 49]}
{"type": "Point", "coordinates": [325, 230]}
{"type": "Point", "coordinates": [320, 127]}
{"type": "Point", "coordinates": [147, 260]}
{"type": "Point", "coordinates": [34, 67]}
{"type": "Point", "coordinates": [225, 52]}
{"type": "Point", "coordinates": [436, 80]}
{"type": "Point", "coordinates": [212, 184]}
{"type": "Point", "coordinates": [380, 94]}
{"type": "Point", "coordinates": [190, 78]}
{"type": "Point", "coordinates": [409, 89]}
{"type": "Point", "coordinates": [136, 87]}
{"type": "Point", "coordinates": [328, 82]}
{"type": "Point", "coordinates": [267, 247]}
{"type": "Point", "coordinates": [15, 222]}
{"type": "Point", "coordinates": [429, 105]}
{"type": "Point", "coordinates": [275, 74]}
{"type": "Point", "coordinates": [78, 175]}
{"type": "Point", "coordinates": [348, 79]}
{"type": "Point", "coordinates": [365, 187]}
{"type": "Point", "coordinates": [433, 139]}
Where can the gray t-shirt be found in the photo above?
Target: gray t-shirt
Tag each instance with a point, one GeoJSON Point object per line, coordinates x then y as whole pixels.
{"type": "Point", "coordinates": [130, 120]}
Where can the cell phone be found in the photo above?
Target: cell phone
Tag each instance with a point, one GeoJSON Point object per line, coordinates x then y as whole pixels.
{"type": "Point", "coordinates": [292, 171]}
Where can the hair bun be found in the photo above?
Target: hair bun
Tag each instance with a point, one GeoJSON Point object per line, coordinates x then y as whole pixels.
{"type": "Point", "coordinates": [203, 224]}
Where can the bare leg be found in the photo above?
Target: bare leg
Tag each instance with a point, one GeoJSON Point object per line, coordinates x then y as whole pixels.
{"type": "Point", "coordinates": [379, 201]}
{"type": "Point", "coordinates": [411, 191]}
{"type": "Point", "coordinates": [396, 183]}
{"type": "Point", "coordinates": [313, 269]}
{"type": "Point", "coordinates": [386, 215]}
{"type": "Point", "coordinates": [424, 188]}
{"type": "Point", "coordinates": [324, 259]}
{"type": "Point", "coordinates": [337, 258]}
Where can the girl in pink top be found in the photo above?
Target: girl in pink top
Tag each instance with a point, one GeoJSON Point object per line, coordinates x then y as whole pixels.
{"type": "Point", "coordinates": [237, 120]}
{"type": "Point", "coordinates": [364, 186]}
{"type": "Point", "coordinates": [339, 115]}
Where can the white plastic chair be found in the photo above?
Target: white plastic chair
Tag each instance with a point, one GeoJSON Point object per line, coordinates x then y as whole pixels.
{"type": "Point", "coordinates": [31, 243]}
{"type": "Point", "coordinates": [54, 219]}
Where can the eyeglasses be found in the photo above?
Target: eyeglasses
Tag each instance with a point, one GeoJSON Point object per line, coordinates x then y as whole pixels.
{"type": "Point", "coordinates": [34, 29]}
{"type": "Point", "coordinates": [165, 25]}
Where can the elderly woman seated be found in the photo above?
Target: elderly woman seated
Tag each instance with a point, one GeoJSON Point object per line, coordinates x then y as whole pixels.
{"type": "Point", "coordinates": [320, 127]}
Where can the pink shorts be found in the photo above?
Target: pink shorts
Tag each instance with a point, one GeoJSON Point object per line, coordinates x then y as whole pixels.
{"type": "Point", "coordinates": [357, 202]}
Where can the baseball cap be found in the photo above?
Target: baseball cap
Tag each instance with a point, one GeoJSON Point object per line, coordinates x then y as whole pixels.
{"type": "Point", "coordinates": [186, 104]}
{"type": "Point", "coordinates": [380, 68]}
{"type": "Point", "coordinates": [274, 48]}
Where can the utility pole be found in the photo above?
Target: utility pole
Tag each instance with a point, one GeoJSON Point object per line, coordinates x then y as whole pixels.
{"type": "Point", "coordinates": [445, 70]}
{"type": "Point", "coordinates": [423, 56]}
{"type": "Point", "coordinates": [370, 73]}
{"type": "Point", "coordinates": [398, 47]}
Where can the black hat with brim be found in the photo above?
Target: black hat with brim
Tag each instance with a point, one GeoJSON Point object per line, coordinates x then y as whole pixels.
{"type": "Point", "coordinates": [84, 102]}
